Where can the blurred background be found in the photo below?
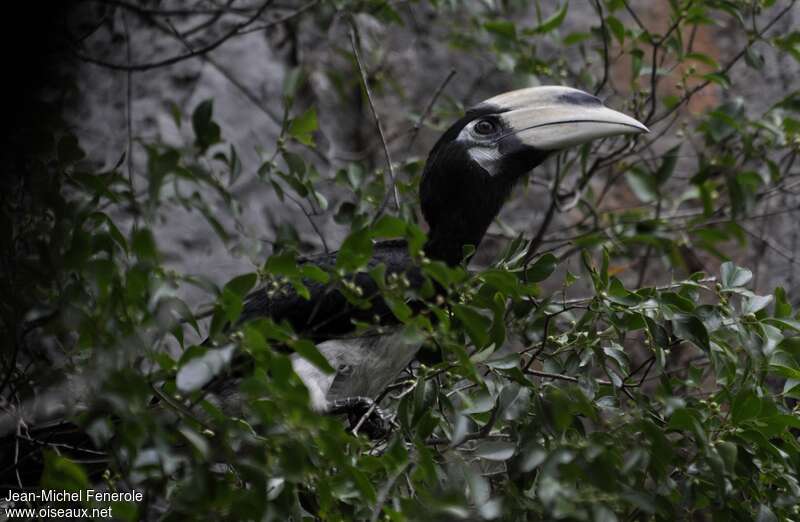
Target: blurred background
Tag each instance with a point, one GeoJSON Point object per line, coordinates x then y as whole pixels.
{"type": "Point", "coordinates": [159, 154]}
{"type": "Point", "coordinates": [132, 86]}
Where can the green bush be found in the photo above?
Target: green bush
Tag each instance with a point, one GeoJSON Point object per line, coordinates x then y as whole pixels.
{"type": "Point", "coordinates": [556, 395]}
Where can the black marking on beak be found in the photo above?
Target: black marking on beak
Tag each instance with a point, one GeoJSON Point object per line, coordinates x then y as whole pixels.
{"type": "Point", "coordinates": [580, 98]}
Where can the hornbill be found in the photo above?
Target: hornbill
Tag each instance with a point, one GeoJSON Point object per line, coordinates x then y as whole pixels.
{"type": "Point", "coordinates": [468, 176]}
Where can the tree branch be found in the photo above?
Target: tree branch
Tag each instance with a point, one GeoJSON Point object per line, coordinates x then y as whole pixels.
{"type": "Point", "coordinates": [175, 59]}
{"type": "Point", "coordinates": [354, 38]}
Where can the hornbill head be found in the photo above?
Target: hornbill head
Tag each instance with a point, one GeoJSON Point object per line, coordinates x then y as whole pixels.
{"type": "Point", "coordinates": [475, 164]}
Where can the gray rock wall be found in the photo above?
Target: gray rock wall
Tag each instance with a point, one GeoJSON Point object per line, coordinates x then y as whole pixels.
{"type": "Point", "coordinates": [244, 76]}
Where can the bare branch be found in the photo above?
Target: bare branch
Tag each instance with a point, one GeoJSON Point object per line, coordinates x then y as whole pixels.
{"type": "Point", "coordinates": [604, 31]}
{"type": "Point", "coordinates": [175, 59]}
{"type": "Point", "coordinates": [691, 92]}
{"type": "Point", "coordinates": [426, 112]}
{"type": "Point", "coordinates": [533, 246]}
{"type": "Point", "coordinates": [193, 11]}
{"type": "Point", "coordinates": [354, 38]}
{"type": "Point", "coordinates": [282, 19]}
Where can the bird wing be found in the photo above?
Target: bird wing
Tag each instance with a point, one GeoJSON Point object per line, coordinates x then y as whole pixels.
{"type": "Point", "coordinates": [328, 313]}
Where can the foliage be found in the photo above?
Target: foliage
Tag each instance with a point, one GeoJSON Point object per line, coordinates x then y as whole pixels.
{"type": "Point", "coordinates": [630, 401]}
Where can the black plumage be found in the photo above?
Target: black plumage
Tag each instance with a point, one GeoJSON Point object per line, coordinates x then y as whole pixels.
{"type": "Point", "coordinates": [469, 174]}
{"type": "Point", "coordinates": [327, 313]}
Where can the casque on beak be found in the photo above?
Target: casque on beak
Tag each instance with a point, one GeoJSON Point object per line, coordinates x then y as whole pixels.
{"type": "Point", "coordinates": [552, 118]}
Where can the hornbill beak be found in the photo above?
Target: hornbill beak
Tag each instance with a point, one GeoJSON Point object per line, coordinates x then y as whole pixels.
{"type": "Point", "coordinates": [553, 118]}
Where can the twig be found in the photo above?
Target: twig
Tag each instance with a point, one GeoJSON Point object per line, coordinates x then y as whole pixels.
{"type": "Point", "coordinates": [364, 418]}
{"type": "Point", "coordinates": [206, 23]}
{"type": "Point", "coordinates": [171, 12]}
{"type": "Point", "coordinates": [179, 58]}
{"type": "Point", "coordinates": [383, 494]}
{"type": "Point", "coordinates": [129, 102]}
{"type": "Point", "coordinates": [365, 83]}
{"type": "Point", "coordinates": [649, 363]}
{"type": "Point", "coordinates": [649, 250]}
{"type": "Point", "coordinates": [603, 30]}
{"type": "Point", "coordinates": [771, 245]}
{"type": "Point", "coordinates": [533, 246]}
{"type": "Point", "coordinates": [689, 94]}
{"type": "Point", "coordinates": [180, 408]}
{"type": "Point", "coordinates": [61, 445]}
{"type": "Point", "coordinates": [556, 238]}
{"type": "Point", "coordinates": [16, 454]}
{"type": "Point", "coordinates": [579, 300]}
{"type": "Point", "coordinates": [569, 378]}
{"type": "Point", "coordinates": [480, 434]}
{"type": "Point", "coordinates": [282, 19]}
{"type": "Point", "coordinates": [426, 112]}
{"type": "Point", "coordinates": [247, 93]}
{"type": "Point", "coordinates": [635, 17]}
{"type": "Point", "coordinates": [311, 221]}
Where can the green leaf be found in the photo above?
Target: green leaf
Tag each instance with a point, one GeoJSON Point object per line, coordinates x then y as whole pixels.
{"type": "Point", "coordinates": [753, 58]}
{"type": "Point", "coordinates": [291, 82]}
{"type": "Point", "coordinates": [179, 308]}
{"type": "Point", "coordinates": [315, 273]}
{"type": "Point", "coordinates": [206, 131]}
{"type": "Point", "coordinates": [642, 184]}
{"type": "Point", "coordinates": [495, 450]}
{"type": "Point", "coordinates": [755, 303]}
{"type": "Point", "coordinates": [144, 245]}
{"type": "Point", "coordinates": [541, 269]}
{"type": "Point", "coordinates": [553, 21]}
{"type": "Point", "coordinates": [746, 405]}
{"type": "Point", "coordinates": [476, 325]}
{"type": "Point", "coordinates": [355, 251]}
{"type": "Point", "coordinates": [175, 112]}
{"type": "Point", "coordinates": [234, 165]}
{"type": "Point", "coordinates": [61, 473]}
{"type": "Point", "coordinates": [783, 308]}
{"type": "Point", "coordinates": [703, 58]}
{"type": "Point", "coordinates": [283, 263]}
{"type": "Point", "coordinates": [618, 294]}
{"type": "Point", "coordinates": [616, 27]}
{"type": "Point", "coordinates": [733, 276]}
{"type": "Point", "coordinates": [677, 301]}
{"type": "Point", "coordinates": [389, 227]}
{"type": "Point", "coordinates": [691, 328]}
{"type": "Point", "coordinates": [667, 166]}
{"type": "Point", "coordinates": [576, 38]}
{"type": "Point", "coordinates": [241, 285]}
{"type": "Point", "coordinates": [302, 127]}
{"type": "Point", "coordinates": [501, 28]}
{"type": "Point", "coordinates": [786, 324]}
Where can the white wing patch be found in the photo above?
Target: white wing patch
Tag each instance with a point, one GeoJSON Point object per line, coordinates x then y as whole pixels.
{"type": "Point", "coordinates": [364, 367]}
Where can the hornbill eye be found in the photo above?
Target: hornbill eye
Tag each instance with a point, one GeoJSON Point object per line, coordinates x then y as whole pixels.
{"type": "Point", "coordinates": [485, 127]}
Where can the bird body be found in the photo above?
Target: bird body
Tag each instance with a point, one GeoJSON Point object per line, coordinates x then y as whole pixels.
{"type": "Point", "coordinates": [327, 313]}
{"type": "Point", "coordinates": [468, 176]}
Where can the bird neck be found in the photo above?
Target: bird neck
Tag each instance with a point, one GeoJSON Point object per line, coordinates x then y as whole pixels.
{"type": "Point", "coordinates": [461, 226]}
{"type": "Point", "coordinates": [448, 246]}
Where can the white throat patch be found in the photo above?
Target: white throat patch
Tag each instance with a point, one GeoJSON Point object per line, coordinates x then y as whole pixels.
{"type": "Point", "coordinates": [487, 157]}
{"type": "Point", "coordinates": [485, 154]}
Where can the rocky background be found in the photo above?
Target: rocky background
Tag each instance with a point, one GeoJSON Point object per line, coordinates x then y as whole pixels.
{"type": "Point", "coordinates": [116, 111]}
